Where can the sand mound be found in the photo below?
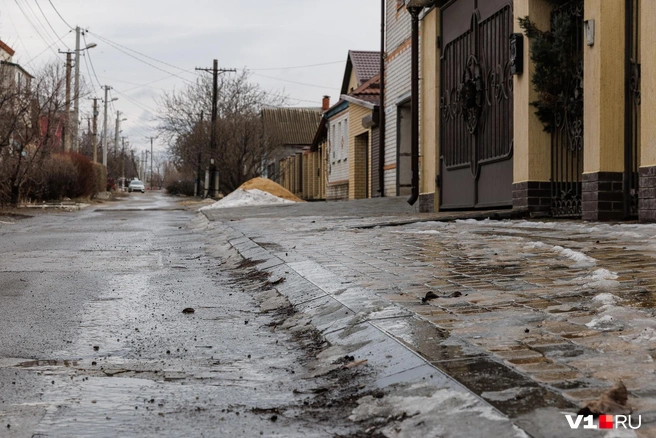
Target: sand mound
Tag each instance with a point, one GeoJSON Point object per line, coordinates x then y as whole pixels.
{"type": "Point", "coordinates": [266, 185]}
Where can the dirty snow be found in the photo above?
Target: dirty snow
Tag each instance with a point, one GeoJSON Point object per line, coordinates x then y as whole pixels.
{"type": "Point", "coordinates": [247, 198]}
{"type": "Point", "coordinates": [435, 412]}
{"type": "Point", "coordinates": [605, 299]}
{"type": "Point", "coordinates": [605, 323]}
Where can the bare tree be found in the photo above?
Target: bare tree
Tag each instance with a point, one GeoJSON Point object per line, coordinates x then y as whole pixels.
{"type": "Point", "coordinates": [241, 145]}
{"type": "Point", "coordinates": [31, 118]}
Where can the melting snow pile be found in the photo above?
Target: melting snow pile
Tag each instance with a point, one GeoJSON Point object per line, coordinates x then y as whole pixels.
{"type": "Point", "coordinates": [247, 198]}
{"type": "Point", "coordinates": [258, 191]}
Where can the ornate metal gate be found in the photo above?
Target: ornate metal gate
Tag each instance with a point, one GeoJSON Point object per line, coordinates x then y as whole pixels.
{"type": "Point", "coordinates": [632, 108]}
{"type": "Point", "coordinates": [476, 136]}
{"type": "Point", "coordinates": [567, 137]}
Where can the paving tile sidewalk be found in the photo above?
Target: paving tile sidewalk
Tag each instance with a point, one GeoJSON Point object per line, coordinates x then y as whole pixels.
{"type": "Point", "coordinates": [530, 315]}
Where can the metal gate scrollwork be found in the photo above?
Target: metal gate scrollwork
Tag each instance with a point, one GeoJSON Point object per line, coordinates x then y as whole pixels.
{"type": "Point", "coordinates": [567, 136]}
{"type": "Point", "coordinates": [476, 106]}
{"type": "Point", "coordinates": [472, 91]}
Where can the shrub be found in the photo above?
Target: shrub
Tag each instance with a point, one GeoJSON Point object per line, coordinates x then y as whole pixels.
{"type": "Point", "coordinates": [86, 176]}
{"type": "Point", "coordinates": [59, 178]}
{"type": "Point", "coordinates": [181, 187]}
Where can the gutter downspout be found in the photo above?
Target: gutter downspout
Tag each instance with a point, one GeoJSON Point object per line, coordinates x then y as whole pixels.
{"type": "Point", "coordinates": [414, 135]}
{"type": "Point", "coordinates": [381, 113]}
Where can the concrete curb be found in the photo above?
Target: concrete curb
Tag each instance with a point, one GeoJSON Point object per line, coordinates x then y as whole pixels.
{"type": "Point", "coordinates": [356, 319]}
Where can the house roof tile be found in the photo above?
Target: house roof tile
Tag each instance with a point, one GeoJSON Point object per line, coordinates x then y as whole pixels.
{"type": "Point", "coordinates": [291, 126]}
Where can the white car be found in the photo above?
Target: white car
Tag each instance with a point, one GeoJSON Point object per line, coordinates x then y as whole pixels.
{"type": "Point", "coordinates": [136, 186]}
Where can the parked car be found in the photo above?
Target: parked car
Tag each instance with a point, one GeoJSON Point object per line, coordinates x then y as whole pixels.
{"type": "Point", "coordinates": [136, 186]}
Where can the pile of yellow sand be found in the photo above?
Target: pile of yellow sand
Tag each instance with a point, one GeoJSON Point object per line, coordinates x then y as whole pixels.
{"type": "Point", "coordinates": [266, 185]}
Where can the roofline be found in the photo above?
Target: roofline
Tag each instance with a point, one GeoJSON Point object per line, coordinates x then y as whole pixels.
{"type": "Point", "coordinates": [6, 48]}
{"type": "Point", "coordinates": [357, 101]}
{"type": "Point", "coordinates": [18, 66]}
{"type": "Point", "coordinates": [336, 109]}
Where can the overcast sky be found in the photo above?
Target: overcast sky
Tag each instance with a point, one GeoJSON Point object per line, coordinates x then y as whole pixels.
{"type": "Point", "coordinates": [265, 36]}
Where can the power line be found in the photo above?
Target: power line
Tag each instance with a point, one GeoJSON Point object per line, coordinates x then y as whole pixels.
{"type": "Point", "coordinates": [62, 18]}
{"type": "Point", "coordinates": [47, 21]}
{"type": "Point", "coordinates": [141, 105]}
{"type": "Point", "coordinates": [91, 62]}
{"type": "Point", "coordinates": [39, 22]}
{"type": "Point", "coordinates": [294, 82]}
{"type": "Point", "coordinates": [139, 53]}
{"type": "Point", "coordinates": [34, 27]}
{"type": "Point", "coordinates": [141, 60]}
{"type": "Point", "coordinates": [296, 67]}
{"type": "Point", "coordinates": [46, 49]}
{"type": "Point", "coordinates": [17, 34]}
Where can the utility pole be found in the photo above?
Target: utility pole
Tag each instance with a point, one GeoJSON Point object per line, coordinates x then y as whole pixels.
{"type": "Point", "coordinates": [211, 175]}
{"type": "Point", "coordinates": [151, 160]}
{"type": "Point", "coordinates": [67, 120]}
{"type": "Point", "coordinates": [123, 163]}
{"type": "Point", "coordinates": [200, 160]}
{"type": "Point", "coordinates": [94, 139]}
{"type": "Point", "coordinates": [107, 88]}
{"type": "Point", "coordinates": [118, 130]}
{"type": "Point", "coordinates": [76, 96]}
{"type": "Point", "coordinates": [105, 152]}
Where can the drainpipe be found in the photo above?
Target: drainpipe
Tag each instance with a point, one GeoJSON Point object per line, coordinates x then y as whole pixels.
{"type": "Point", "coordinates": [414, 135]}
{"type": "Point", "coordinates": [381, 112]}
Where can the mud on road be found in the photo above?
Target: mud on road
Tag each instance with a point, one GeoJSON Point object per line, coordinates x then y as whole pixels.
{"type": "Point", "coordinates": [94, 341]}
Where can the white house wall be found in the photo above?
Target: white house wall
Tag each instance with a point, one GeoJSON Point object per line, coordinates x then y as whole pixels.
{"type": "Point", "coordinates": [398, 82]}
{"type": "Point", "coordinates": [338, 136]}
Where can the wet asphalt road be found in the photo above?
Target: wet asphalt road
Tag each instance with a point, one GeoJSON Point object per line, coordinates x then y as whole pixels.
{"type": "Point", "coordinates": [93, 341]}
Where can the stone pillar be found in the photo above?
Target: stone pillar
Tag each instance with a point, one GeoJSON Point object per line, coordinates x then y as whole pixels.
{"type": "Point", "coordinates": [532, 146]}
{"type": "Point", "coordinates": [603, 119]}
{"type": "Point", "coordinates": [429, 113]}
{"type": "Point", "coordinates": [647, 202]}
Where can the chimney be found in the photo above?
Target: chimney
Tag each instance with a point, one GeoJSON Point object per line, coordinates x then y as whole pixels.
{"type": "Point", "coordinates": [325, 105]}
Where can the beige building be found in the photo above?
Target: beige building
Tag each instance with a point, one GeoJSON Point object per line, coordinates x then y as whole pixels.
{"type": "Point", "coordinates": [589, 152]}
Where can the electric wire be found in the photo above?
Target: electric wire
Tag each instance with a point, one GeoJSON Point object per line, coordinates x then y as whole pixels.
{"type": "Point", "coordinates": [34, 27]}
{"type": "Point", "coordinates": [46, 49]}
{"type": "Point", "coordinates": [296, 67]}
{"type": "Point", "coordinates": [108, 41]}
{"type": "Point", "coordinates": [47, 21]}
{"type": "Point", "coordinates": [60, 16]}
{"type": "Point", "coordinates": [141, 60]}
{"type": "Point", "coordinates": [91, 61]}
{"type": "Point", "coordinates": [35, 16]}
{"type": "Point", "coordinates": [294, 82]}
{"type": "Point", "coordinates": [16, 30]}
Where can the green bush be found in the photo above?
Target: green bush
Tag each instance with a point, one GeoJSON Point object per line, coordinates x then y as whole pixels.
{"type": "Point", "coordinates": [181, 187]}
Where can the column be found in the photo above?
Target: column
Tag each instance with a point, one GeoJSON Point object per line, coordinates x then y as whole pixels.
{"type": "Point", "coordinates": [532, 146]}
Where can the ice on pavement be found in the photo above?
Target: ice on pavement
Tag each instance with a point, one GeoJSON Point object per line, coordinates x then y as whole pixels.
{"type": "Point", "coordinates": [435, 412]}
{"type": "Point", "coordinates": [247, 198]}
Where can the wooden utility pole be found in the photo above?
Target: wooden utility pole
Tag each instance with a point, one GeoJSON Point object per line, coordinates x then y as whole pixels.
{"type": "Point", "coordinates": [212, 188]}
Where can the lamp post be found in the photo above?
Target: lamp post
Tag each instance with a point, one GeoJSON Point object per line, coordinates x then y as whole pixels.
{"type": "Point", "coordinates": [76, 109]}
{"type": "Point", "coordinates": [415, 7]}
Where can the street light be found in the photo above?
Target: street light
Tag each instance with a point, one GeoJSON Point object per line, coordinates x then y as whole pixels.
{"type": "Point", "coordinates": [76, 125]}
